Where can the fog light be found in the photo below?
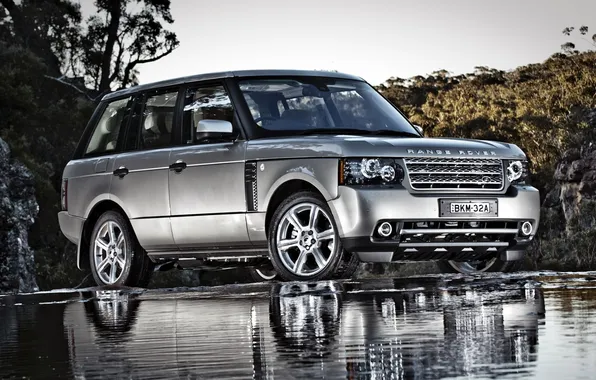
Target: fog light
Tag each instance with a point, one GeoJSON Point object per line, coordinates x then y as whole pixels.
{"type": "Point", "coordinates": [526, 228]}
{"type": "Point", "coordinates": [385, 229]}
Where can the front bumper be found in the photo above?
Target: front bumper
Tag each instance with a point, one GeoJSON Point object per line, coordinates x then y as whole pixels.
{"type": "Point", "coordinates": [71, 226]}
{"type": "Point", "coordinates": [358, 212]}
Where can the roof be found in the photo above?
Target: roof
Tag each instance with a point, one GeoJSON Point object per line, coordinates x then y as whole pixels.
{"type": "Point", "coordinates": [227, 74]}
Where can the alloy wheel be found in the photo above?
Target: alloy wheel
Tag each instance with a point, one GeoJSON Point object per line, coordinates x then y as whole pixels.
{"type": "Point", "coordinates": [305, 239]}
{"type": "Point", "coordinates": [110, 252]}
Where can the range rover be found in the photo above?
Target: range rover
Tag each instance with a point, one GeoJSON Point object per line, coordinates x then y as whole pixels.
{"type": "Point", "coordinates": [295, 175]}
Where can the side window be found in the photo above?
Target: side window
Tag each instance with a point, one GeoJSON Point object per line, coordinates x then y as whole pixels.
{"type": "Point", "coordinates": [104, 139]}
{"type": "Point", "coordinates": [158, 119]}
{"type": "Point", "coordinates": [132, 134]}
{"type": "Point", "coordinates": [200, 103]}
{"type": "Point", "coordinates": [252, 106]}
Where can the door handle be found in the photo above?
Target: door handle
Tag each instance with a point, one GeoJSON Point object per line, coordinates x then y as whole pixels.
{"type": "Point", "coordinates": [178, 166]}
{"type": "Point", "coordinates": [121, 171]}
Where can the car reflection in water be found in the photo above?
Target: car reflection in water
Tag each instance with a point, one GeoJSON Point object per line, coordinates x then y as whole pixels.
{"type": "Point", "coordinates": [391, 330]}
{"type": "Point", "coordinates": [125, 335]}
{"type": "Point", "coordinates": [410, 333]}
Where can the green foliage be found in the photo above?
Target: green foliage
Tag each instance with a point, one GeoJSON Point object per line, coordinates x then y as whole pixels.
{"type": "Point", "coordinates": [571, 248]}
{"type": "Point", "coordinates": [575, 252]}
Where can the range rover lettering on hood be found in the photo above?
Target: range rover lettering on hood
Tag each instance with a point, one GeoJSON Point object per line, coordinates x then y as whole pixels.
{"type": "Point", "coordinates": [448, 152]}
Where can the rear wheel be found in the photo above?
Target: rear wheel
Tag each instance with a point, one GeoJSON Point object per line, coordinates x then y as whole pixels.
{"type": "Point", "coordinates": [116, 258]}
{"type": "Point", "coordinates": [479, 266]}
{"type": "Point", "coordinates": [303, 239]}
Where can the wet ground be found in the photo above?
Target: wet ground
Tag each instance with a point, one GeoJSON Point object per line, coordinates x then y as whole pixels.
{"type": "Point", "coordinates": [529, 325]}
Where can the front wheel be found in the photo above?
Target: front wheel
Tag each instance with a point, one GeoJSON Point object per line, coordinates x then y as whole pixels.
{"type": "Point", "coordinates": [303, 239]}
{"type": "Point", "coordinates": [478, 266]}
{"type": "Point", "coordinates": [263, 274]}
{"type": "Point", "coordinates": [116, 257]}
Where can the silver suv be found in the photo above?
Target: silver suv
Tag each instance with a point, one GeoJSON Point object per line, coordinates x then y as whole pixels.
{"type": "Point", "coordinates": [296, 175]}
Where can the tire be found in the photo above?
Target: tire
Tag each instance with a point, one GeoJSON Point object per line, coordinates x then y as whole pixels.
{"type": "Point", "coordinates": [263, 274]}
{"type": "Point", "coordinates": [348, 266]}
{"type": "Point", "coordinates": [486, 266]}
{"type": "Point", "coordinates": [132, 265]}
{"type": "Point", "coordinates": [320, 244]}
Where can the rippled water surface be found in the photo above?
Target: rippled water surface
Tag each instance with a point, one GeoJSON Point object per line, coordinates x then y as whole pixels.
{"type": "Point", "coordinates": [531, 325]}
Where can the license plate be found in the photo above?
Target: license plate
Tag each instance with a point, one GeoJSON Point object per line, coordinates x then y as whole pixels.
{"type": "Point", "coordinates": [468, 208]}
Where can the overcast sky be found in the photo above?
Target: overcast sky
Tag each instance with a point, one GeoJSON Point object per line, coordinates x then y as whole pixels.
{"type": "Point", "coordinates": [374, 39]}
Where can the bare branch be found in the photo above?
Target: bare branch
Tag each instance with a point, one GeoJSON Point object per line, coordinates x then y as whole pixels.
{"type": "Point", "coordinates": [139, 61]}
{"type": "Point", "coordinates": [82, 92]}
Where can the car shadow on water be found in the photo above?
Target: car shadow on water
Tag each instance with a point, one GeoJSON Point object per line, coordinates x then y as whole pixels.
{"type": "Point", "coordinates": [403, 328]}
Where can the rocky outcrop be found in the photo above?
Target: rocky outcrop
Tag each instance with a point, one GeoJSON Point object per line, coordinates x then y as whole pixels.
{"type": "Point", "coordinates": [575, 174]}
{"type": "Point", "coordinates": [18, 209]}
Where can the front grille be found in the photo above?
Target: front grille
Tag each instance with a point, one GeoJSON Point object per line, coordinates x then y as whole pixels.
{"type": "Point", "coordinates": [455, 173]}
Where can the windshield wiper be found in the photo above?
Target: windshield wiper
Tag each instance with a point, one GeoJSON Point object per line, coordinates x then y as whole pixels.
{"type": "Point", "coordinates": [355, 131]}
{"type": "Point", "coordinates": [334, 131]}
{"type": "Point", "coordinates": [390, 132]}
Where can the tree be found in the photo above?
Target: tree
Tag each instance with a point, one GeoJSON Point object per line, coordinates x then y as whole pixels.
{"type": "Point", "coordinates": [569, 47]}
{"type": "Point", "coordinates": [119, 39]}
{"type": "Point", "coordinates": [97, 57]}
{"type": "Point", "coordinates": [48, 28]}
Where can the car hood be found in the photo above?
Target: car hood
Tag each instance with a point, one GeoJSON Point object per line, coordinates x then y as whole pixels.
{"type": "Point", "coordinates": [378, 146]}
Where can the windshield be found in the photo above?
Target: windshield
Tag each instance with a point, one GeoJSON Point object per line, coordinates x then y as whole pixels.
{"type": "Point", "coordinates": [321, 105]}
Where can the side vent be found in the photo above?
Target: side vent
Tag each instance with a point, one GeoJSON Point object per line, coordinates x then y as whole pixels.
{"type": "Point", "coordinates": [250, 186]}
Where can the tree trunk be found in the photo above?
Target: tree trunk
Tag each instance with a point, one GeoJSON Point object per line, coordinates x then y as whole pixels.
{"type": "Point", "coordinates": [115, 12]}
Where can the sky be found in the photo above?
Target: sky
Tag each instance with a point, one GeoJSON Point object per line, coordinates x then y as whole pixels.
{"type": "Point", "coordinates": [373, 39]}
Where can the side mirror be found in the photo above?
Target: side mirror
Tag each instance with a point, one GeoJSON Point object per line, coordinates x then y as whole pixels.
{"type": "Point", "coordinates": [214, 126]}
{"type": "Point", "coordinates": [419, 129]}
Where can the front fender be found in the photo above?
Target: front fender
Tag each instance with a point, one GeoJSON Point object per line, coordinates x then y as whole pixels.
{"type": "Point", "coordinates": [320, 173]}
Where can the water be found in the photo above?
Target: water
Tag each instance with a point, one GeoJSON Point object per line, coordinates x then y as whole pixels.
{"type": "Point", "coordinates": [528, 325]}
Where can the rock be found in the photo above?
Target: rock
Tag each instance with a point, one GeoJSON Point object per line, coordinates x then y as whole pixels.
{"type": "Point", "coordinates": [18, 210]}
{"type": "Point", "coordinates": [575, 174]}
{"type": "Point", "coordinates": [552, 198]}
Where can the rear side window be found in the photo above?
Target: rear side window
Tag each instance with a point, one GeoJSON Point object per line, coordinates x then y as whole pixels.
{"type": "Point", "coordinates": [104, 139]}
{"type": "Point", "coordinates": [158, 120]}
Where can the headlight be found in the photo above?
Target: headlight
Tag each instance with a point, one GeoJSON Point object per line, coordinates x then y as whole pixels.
{"type": "Point", "coordinates": [518, 172]}
{"type": "Point", "coordinates": [370, 171]}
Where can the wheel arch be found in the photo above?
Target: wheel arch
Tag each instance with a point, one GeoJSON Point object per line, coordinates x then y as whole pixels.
{"type": "Point", "coordinates": [286, 188]}
{"type": "Point", "coordinates": [95, 211]}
